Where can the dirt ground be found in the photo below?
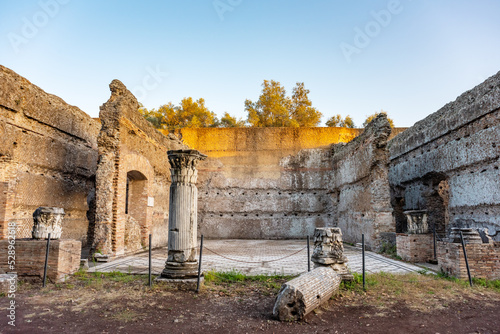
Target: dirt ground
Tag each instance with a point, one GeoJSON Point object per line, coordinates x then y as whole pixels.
{"type": "Point", "coordinates": [392, 304]}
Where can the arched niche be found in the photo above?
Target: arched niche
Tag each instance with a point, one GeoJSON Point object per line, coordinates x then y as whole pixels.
{"type": "Point", "coordinates": [136, 204]}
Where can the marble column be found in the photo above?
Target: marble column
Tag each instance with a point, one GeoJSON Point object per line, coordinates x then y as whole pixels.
{"type": "Point", "coordinates": [182, 261]}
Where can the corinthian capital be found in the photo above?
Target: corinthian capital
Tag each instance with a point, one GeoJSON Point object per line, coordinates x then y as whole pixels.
{"type": "Point", "coordinates": [183, 165]}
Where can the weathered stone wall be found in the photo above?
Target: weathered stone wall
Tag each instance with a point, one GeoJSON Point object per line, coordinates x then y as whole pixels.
{"type": "Point", "coordinates": [265, 182]}
{"type": "Point", "coordinates": [359, 186]}
{"type": "Point", "coordinates": [268, 182]}
{"type": "Point", "coordinates": [48, 156]}
{"type": "Point", "coordinates": [133, 177]}
{"type": "Point", "coordinates": [448, 163]}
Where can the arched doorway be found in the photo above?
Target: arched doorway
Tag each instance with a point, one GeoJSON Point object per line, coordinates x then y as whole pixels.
{"type": "Point", "coordinates": [136, 202]}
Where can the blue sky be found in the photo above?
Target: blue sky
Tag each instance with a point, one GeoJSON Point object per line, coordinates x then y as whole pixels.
{"type": "Point", "coordinates": [356, 57]}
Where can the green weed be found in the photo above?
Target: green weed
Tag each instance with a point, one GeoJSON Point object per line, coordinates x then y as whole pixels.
{"type": "Point", "coordinates": [230, 277]}
{"type": "Point", "coordinates": [389, 250]}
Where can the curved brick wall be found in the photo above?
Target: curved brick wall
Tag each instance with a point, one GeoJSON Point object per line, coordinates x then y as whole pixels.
{"type": "Point", "coordinates": [267, 182]}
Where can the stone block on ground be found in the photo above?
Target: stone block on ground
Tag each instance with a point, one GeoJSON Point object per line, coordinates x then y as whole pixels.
{"type": "Point", "coordinates": [305, 293]}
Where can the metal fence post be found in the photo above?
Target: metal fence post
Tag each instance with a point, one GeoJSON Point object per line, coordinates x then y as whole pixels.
{"type": "Point", "coordinates": [465, 257]}
{"type": "Point", "coordinates": [46, 261]}
{"type": "Point", "coordinates": [363, 256]}
{"type": "Point", "coordinates": [435, 251]}
{"type": "Point", "coordinates": [308, 255]}
{"type": "Point", "coordinates": [150, 281]}
{"type": "Point", "coordinates": [199, 266]}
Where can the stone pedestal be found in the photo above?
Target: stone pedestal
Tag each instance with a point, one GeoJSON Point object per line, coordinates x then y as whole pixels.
{"type": "Point", "coordinates": [471, 236]}
{"type": "Point", "coordinates": [182, 261]}
{"type": "Point", "coordinates": [415, 247]}
{"type": "Point", "coordinates": [417, 221]}
{"type": "Point", "coordinates": [329, 250]}
{"type": "Point", "coordinates": [64, 258]}
{"type": "Point", "coordinates": [47, 220]}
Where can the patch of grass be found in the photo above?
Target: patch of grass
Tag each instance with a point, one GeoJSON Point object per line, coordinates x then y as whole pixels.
{"type": "Point", "coordinates": [356, 285]}
{"type": "Point", "coordinates": [117, 276]}
{"type": "Point", "coordinates": [269, 283]}
{"type": "Point", "coordinates": [424, 293]}
{"type": "Point", "coordinates": [489, 284]}
{"type": "Point", "coordinates": [236, 276]}
{"type": "Point", "coordinates": [449, 278]}
{"type": "Point", "coordinates": [126, 316]}
{"type": "Point", "coordinates": [423, 271]}
{"type": "Point", "coordinates": [99, 280]}
{"type": "Point", "coordinates": [390, 250]}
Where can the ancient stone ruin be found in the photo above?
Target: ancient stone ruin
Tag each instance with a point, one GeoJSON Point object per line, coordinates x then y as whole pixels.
{"type": "Point", "coordinates": [64, 254]}
{"type": "Point", "coordinates": [305, 293]}
{"type": "Point", "coordinates": [416, 221]}
{"type": "Point", "coordinates": [111, 175]}
{"type": "Point", "coordinates": [329, 250]}
{"type": "Point", "coordinates": [47, 221]}
{"type": "Point", "coordinates": [182, 223]}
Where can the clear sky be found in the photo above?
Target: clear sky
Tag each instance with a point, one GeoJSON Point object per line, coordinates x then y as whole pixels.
{"type": "Point", "coordinates": [356, 57]}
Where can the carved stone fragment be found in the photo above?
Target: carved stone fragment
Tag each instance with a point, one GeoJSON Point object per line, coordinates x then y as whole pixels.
{"type": "Point", "coordinates": [47, 220]}
{"type": "Point", "coordinates": [305, 293]}
{"type": "Point", "coordinates": [417, 221]}
{"type": "Point", "coordinates": [329, 250]}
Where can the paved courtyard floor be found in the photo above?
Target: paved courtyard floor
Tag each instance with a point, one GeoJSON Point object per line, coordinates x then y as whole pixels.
{"type": "Point", "coordinates": [252, 257]}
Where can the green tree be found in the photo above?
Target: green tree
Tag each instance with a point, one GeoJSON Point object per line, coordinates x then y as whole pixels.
{"type": "Point", "coordinates": [334, 121]}
{"type": "Point", "coordinates": [371, 117]}
{"type": "Point", "coordinates": [153, 116]}
{"type": "Point", "coordinates": [275, 108]}
{"type": "Point", "coordinates": [194, 114]}
{"type": "Point", "coordinates": [301, 109]}
{"type": "Point", "coordinates": [337, 121]}
{"type": "Point", "coordinates": [272, 107]}
{"type": "Point", "coordinates": [348, 122]}
{"type": "Point", "coordinates": [228, 121]}
{"type": "Point", "coordinates": [188, 113]}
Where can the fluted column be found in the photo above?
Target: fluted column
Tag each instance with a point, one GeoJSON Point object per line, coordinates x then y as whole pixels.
{"type": "Point", "coordinates": [182, 219]}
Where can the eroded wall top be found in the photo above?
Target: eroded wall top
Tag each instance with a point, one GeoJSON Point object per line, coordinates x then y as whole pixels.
{"type": "Point", "coordinates": [19, 95]}
{"type": "Point", "coordinates": [468, 107]}
{"type": "Point", "coordinates": [48, 157]}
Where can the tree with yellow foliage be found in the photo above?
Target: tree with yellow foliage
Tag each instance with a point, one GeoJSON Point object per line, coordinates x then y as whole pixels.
{"type": "Point", "coordinates": [275, 109]}
{"type": "Point", "coordinates": [338, 121]}
{"type": "Point", "coordinates": [188, 113]}
{"type": "Point", "coordinates": [371, 117]}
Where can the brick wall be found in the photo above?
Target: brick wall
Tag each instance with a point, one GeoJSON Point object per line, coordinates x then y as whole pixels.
{"type": "Point", "coordinates": [64, 258]}
{"type": "Point", "coordinates": [266, 182]}
{"type": "Point", "coordinates": [130, 147]}
{"type": "Point", "coordinates": [415, 247]}
{"type": "Point", "coordinates": [484, 259]}
{"type": "Point", "coordinates": [48, 157]}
